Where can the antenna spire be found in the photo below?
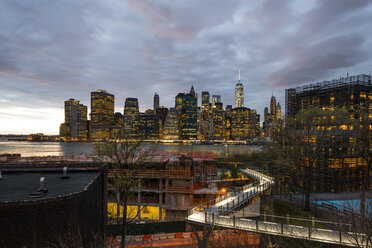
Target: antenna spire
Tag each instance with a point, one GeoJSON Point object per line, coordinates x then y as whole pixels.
{"type": "Point", "coordinates": [239, 75]}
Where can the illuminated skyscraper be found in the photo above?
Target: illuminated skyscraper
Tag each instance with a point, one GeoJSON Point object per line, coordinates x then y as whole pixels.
{"type": "Point", "coordinates": [278, 111]}
{"type": "Point", "coordinates": [239, 94]}
{"type": "Point", "coordinates": [215, 99]}
{"type": "Point", "coordinates": [273, 107]}
{"type": "Point", "coordinates": [75, 125]}
{"type": "Point", "coordinates": [148, 125]}
{"type": "Point", "coordinates": [187, 113]}
{"type": "Point", "coordinates": [131, 118]}
{"type": "Point", "coordinates": [156, 102]}
{"type": "Point", "coordinates": [204, 119]}
{"type": "Point", "coordinates": [162, 113]}
{"type": "Point", "coordinates": [240, 123]}
{"type": "Point", "coordinates": [170, 130]}
{"type": "Point", "coordinates": [102, 116]}
{"type": "Point", "coordinates": [117, 128]}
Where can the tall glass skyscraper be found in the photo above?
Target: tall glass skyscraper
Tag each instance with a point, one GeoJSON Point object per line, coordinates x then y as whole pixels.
{"type": "Point", "coordinates": [239, 94]}
{"type": "Point", "coordinates": [102, 114]}
{"type": "Point", "coordinates": [131, 118]}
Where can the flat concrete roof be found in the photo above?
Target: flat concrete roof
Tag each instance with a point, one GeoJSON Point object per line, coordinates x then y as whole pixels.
{"type": "Point", "coordinates": [17, 185]}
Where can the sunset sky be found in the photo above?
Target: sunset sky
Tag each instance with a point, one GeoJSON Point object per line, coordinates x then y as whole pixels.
{"type": "Point", "coordinates": [51, 51]}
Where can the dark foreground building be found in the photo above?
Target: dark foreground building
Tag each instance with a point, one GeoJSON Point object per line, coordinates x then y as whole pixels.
{"type": "Point", "coordinates": [40, 208]}
{"type": "Point", "coordinates": [338, 168]}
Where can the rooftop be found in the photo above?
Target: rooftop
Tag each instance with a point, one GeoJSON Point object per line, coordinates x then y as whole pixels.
{"type": "Point", "coordinates": [361, 79]}
{"type": "Point", "coordinates": [17, 185]}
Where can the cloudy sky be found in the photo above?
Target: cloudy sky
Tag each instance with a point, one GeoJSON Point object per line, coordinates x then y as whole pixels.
{"type": "Point", "coordinates": [51, 51]}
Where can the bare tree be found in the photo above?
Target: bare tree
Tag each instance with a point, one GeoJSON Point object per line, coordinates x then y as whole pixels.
{"type": "Point", "coordinates": [125, 161]}
{"type": "Point", "coordinates": [362, 147]}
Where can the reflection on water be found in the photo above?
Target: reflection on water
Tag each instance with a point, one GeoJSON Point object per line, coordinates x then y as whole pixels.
{"type": "Point", "coordinates": [27, 149]}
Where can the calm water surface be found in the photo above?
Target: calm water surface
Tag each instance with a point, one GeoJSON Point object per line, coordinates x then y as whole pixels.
{"type": "Point", "coordinates": [26, 148]}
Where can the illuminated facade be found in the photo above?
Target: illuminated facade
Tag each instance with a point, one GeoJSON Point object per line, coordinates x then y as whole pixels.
{"type": "Point", "coordinates": [245, 124]}
{"type": "Point", "coordinates": [102, 114]}
{"type": "Point", "coordinates": [240, 123]}
{"type": "Point", "coordinates": [186, 109]}
{"type": "Point", "coordinates": [239, 94]}
{"type": "Point", "coordinates": [336, 169]}
{"type": "Point", "coordinates": [131, 118]}
{"type": "Point", "coordinates": [169, 188]}
{"type": "Point", "coordinates": [218, 116]}
{"type": "Point", "coordinates": [205, 116]}
{"type": "Point", "coordinates": [117, 128]}
{"type": "Point", "coordinates": [75, 125]}
{"type": "Point", "coordinates": [170, 129]}
{"type": "Point", "coordinates": [149, 125]}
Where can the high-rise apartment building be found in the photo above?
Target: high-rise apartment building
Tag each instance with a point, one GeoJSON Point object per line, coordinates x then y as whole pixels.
{"type": "Point", "coordinates": [102, 114]}
{"type": "Point", "coordinates": [156, 102]}
{"type": "Point", "coordinates": [239, 94]}
{"type": "Point", "coordinates": [75, 125]}
{"type": "Point", "coordinates": [131, 118]}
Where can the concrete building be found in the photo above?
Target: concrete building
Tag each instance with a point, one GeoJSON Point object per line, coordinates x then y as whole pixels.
{"type": "Point", "coordinates": [170, 186]}
{"type": "Point", "coordinates": [102, 114]}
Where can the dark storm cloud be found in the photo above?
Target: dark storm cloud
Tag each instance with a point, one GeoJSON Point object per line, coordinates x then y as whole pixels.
{"type": "Point", "coordinates": [52, 51]}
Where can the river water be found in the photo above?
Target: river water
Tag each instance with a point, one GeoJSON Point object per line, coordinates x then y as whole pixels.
{"type": "Point", "coordinates": [26, 148]}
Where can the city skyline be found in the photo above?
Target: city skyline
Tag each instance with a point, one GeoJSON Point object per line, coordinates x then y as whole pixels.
{"type": "Point", "coordinates": [136, 48]}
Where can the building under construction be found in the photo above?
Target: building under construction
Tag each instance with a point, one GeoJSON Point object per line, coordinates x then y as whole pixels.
{"type": "Point", "coordinates": [337, 169]}
{"type": "Point", "coordinates": [168, 187]}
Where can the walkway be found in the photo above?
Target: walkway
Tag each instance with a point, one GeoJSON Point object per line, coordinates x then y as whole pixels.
{"type": "Point", "coordinates": [214, 215]}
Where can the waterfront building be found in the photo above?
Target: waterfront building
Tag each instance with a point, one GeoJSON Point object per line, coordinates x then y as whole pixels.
{"type": "Point", "coordinates": [162, 113]}
{"type": "Point", "coordinates": [102, 114]}
{"type": "Point", "coordinates": [75, 125]}
{"type": "Point", "coordinates": [156, 102]}
{"type": "Point", "coordinates": [218, 117]}
{"type": "Point", "coordinates": [204, 119]}
{"type": "Point", "coordinates": [149, 125]}
{"type": "Point", "coordinates": [245, 124]}
{"type": "Point", "coordinates": [131, 118]}
{"type": "Point", "coordinates": [338, 168]}
{"type": "Point", "coordinates": [186, 109]}
{"type": "Point", "coordinates": [239, 94]}
{"type": "Point", "coordinates": [170, 129]}
{"type": "Point", "coordinates": [240, 123]}
{"type": "Point", "coordinates": [117, 128]}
